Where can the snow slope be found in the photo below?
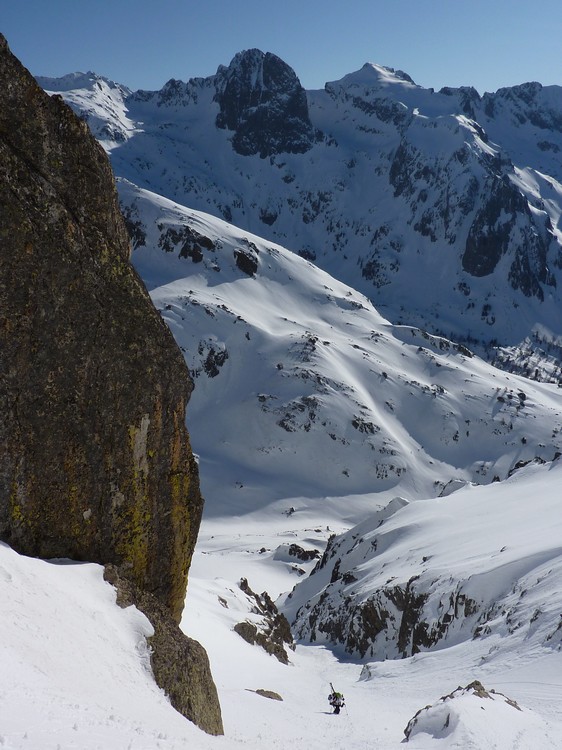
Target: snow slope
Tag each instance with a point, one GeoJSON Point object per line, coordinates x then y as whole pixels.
{"type": "Point", "coordinates": [275, 310]}
{"type": "Point", "coordinates": [70, 654]}
{"type": "Point", "coordinates": [75, 667]}
{"type": "Point", "coordinates": [438, 572]}
{"type": "Point", "coordinates": [298, 376]}
{"type": "Point", "coordinates": [98, 100]}
{"type": "Point", "coordinates": [514, 657]}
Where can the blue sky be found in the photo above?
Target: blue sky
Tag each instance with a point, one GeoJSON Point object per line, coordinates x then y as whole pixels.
{"type": "Point", "coordinates": [144, 43]}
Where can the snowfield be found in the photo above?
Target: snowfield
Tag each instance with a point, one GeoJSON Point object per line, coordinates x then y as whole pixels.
{"type": "Point", "coordinates": [303, 389]}
{"type": "Point", "coordinates": [75, 670]}
{"type": "Point", "coordinates": [312, 415]}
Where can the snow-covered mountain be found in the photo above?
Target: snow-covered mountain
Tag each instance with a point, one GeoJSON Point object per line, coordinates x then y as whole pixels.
{"type": "Point", "coordinates": [310, 413]}
{"type": "Point", "coordinates": [433, 573]}
{"type": "Point", "coordinates": [442, 207]}
{"type": "Point", "coordinates": [313, 415]}
{"type": "Point", "coordinates": [295, 370]}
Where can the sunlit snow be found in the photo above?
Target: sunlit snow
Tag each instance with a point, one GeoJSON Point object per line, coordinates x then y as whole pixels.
{"type": "Point", "coordinates": [321, 414]}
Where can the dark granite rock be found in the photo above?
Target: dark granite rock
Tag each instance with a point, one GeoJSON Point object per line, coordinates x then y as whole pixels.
{"type": "Point", "coordinates": [180, 664]}
{"type": "Point", "coordinates": [273, 632]}
{"type": "Point", "coordinates": [504, 224]}
{"type": "Point", "coordinates": [262, 101]}
{"type": "Point", "coordinates": [95, 462]}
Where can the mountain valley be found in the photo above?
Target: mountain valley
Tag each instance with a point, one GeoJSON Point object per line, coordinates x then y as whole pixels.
{"type": "Point", "coordinates": [364, 283]}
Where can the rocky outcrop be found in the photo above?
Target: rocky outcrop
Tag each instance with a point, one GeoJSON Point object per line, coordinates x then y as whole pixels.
{"type": "Point", "coordinates": [504, 222]}
{"type": "Point", "coordinates": [271, 694]}
{"type": "Point", "coordinates": [528, 103]}
{"type": "Point", "coordinates": [262, 101]}
{"type": "Point", "coordinates": [95, 461]}
{"type": "Point", "coordinates": [449, 713]}
{"type": "Point", "coordinates": [272, 632]}
{"type": "Point", "coordinates": [180, 664]}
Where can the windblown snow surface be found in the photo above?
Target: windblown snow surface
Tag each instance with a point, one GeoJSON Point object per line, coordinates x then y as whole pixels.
{"type": "Point", "coordinates": [311, 413]}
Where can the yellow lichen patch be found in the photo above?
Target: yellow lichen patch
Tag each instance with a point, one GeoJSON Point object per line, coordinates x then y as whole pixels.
{"type": "Point", "coordinates": [180, 481]}
{"type": "Point", "coordinates": [71, 510]}
{"type": "Point", "coordinates": [134, 509]}
{"type": "Point", "coordinates": [181, 558]}
{"type": "Point", "coordinates": [17, 514]}
{"type": "Point", "coordinates": [134, 543]}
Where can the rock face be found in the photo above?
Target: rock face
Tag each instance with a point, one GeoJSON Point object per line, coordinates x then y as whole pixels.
{"type": "Point", "coordinates": [273, 633]}
{"type": "Point", "coordinates": [262, 101]}
{"type": "Point", "coordinates": [180, 664]}
{"type": "Point", "coordinates": [95, 461]}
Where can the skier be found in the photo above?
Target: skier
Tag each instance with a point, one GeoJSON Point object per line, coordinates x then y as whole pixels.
{"type": "Point", "coordinates": [336, 700]}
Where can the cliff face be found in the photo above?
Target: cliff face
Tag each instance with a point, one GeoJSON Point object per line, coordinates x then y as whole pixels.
{"type": "Point", "coordinates": [95, 461]}
{"type": "Point", "coordinates": [262, 101]}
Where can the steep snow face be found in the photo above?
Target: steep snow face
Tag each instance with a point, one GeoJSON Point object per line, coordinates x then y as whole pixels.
{"type": "Point", "coordinates": [442, 208]}
{"type": "Point", "coordinates": [294, 371]}
{"type": "Point", "coordinates": [530, 116]}
{"type": "Point", "coordinates": [431, 574]}
{"type": "Point", "coordinates": [372, 75]}
{"type": "Point", "coordinates": [75, 666]}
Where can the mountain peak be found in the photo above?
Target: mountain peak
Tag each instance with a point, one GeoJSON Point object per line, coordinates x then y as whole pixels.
{"type": "Point", "coordinates": [374, 75]}
{"type": "Point", "coordinates": [389, 75]}
{"type": "Point", "coordinates": [243, 60]}
{"type": "Point", "coordinates": [255, 72]}
{"type": "Point", "coordinates": [261, 99]}
{"type": "Point", "coordinates": [78, 80]}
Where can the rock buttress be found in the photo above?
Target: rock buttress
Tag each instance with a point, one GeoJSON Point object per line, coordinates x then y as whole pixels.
{"type": "Point", "coordinates": [95, 462]}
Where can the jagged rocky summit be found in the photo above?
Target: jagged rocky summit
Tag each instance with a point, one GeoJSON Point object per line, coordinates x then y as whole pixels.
{"type": "Point", "coordinates": [262, 101]}
{"type": "Point", "coordinates": [95, 460]}
{"type": "Point", "coordinates": [257, 99]}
